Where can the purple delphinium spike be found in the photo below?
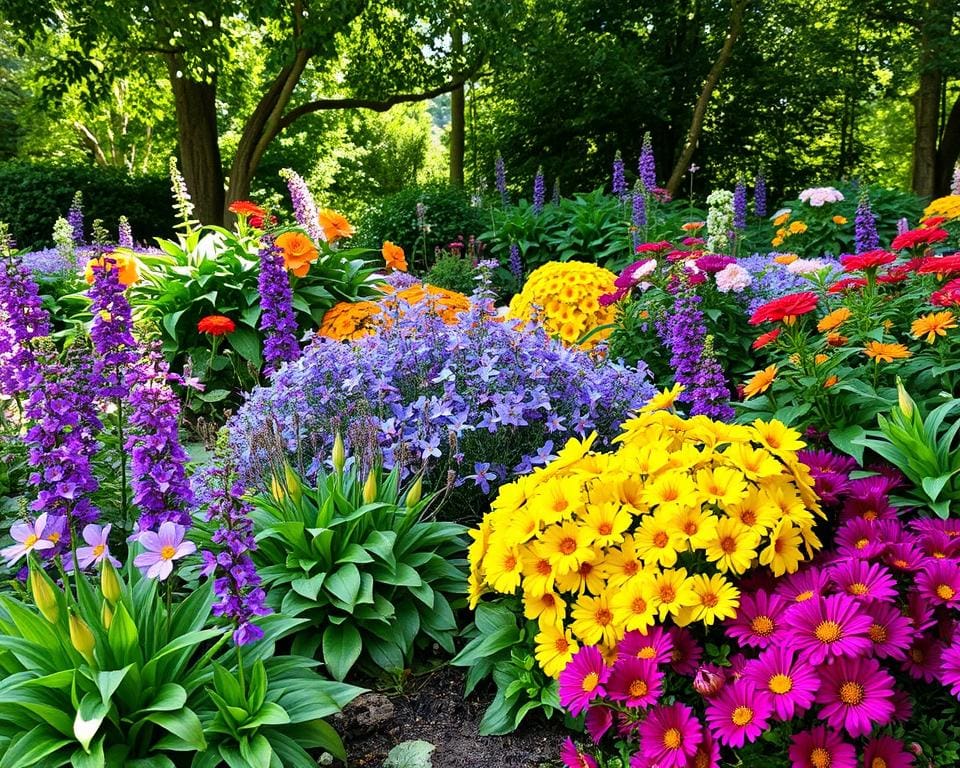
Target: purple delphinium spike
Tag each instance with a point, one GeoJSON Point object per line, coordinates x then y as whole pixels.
{"type": "Point", "coordinates": [903, 225]}
{"type": "Point", "coordinates": [124, 233]}
{"type": "Point", "coordinates": [539, 191]}
{"type": "Point", "coordinates": [760, 195]}
{"type": "Point", "coordinates": [500, 171]}
{"type": "Point", "coordinates": [619, 177]}
{"type": "Point", "coordinates": [710, 395]}
{"type": "Point", "coordinates": [865, 227]}
{"type": "Point", "coordinates": [240, 598]}
{"type": "Point", "coordinates": [684, 333]}
{"type": "Point", "coordinates": [75, 219]}
{"type": "Point", "coordinates": [516, 263]}
{"type": "Point", "coordinates": [277, 319]}
{"type": "Point", "coordinates": [647, 167]}
{"type": "Point", "coordinates": [555, 198]}
{"type": "Point", "coordinates": [740, 205]}
{"type": "Point", "coordinates": [113, 344]}
{"type": "Point", "coordinates": [158, 476]}
{"type": "Point", "coordinates": [24, 320]}
{"type": "Point", "coordinates": [638, 217]}
{"type": "Point", "coordinates": [304, 206]}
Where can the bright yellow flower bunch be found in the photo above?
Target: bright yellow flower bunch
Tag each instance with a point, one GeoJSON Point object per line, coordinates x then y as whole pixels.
{"type": "Point", "coordinates": [948, 207]}
{"type": "Point", "coordinates": [602, 543]}
{"type": "Point", "coordinates": [564, 299]}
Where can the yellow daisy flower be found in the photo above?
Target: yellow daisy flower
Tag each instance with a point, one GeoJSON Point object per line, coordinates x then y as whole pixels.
{"type": "Point", "coordinates": [568, 546]}
{"type": "Point", "coordinates": [733, 547]}
{"type": "Point", "coordinates": [722, 486]}
{"type": "Point", "coordinates": [717, 599]}
{"type": "Point", "coordinates": [632, 604]}
{"type": "Point", "coordinates": [502, 566]}
{"type": "Point", "coordinates": [657, 541]}
{"type": "Point", "coordinates": [607, 522]}
{"type": "Point", "coordinates": [671, 592]}
{"type": "Point", "coordinates": [783, 553]}
{"type": "Point", "coordinates": [555, 647]}
{"type": "Point", "coordinates": [548, 609]}
{"type": "Point", "coordinates": [593, 621]}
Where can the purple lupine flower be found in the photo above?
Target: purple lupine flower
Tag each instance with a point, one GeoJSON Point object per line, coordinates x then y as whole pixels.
{"type": "Point", "coordinates": [684, 333]}
{"type": "Point", "coordinates": [158, 461]}
{"type": "Point", "coordinates": [304, 206]}
{"type": "Point", "coordinates": [24, 320]}
{"type": "Point", "coordinates": [28, 537]}
{"type": "Point", "coordinates": [516, 263]}
{"type": "Point", "coordinates": [865, 227]}
{"type": "Point", "coordinates": [161, 549]}
{"type": "Point", "coordinates": [277, 320]}
{"type": "Point", "coordinates": [619, 178]}
{"type": "Point", "coordinates": [647, 167]}
{"type": "Point", "coordinates": [98, 546]}
{"type": "Point", "coordinates": [760, 195]}
{"type": "Point", "coordinates": [710, 394]}
{"type": "Point", "coordinates": [236, 581]}
{"type": "Point", "coordinates": [903, 225]}
{"type": "Point", "coordinates": [113, 343]}
{"type": "Point", "coordinates": [740, 205]}
{"type": "Point", "coordinates": [555, 198]}
{"type": "Point", "coordinates": [539, 191]}
{"type": "Point", "coordinates": [638, 216]}
{"type": "Point", "coordinates": [500, 172]}
{"type": "Point", "coordinates": [75, 219]}
{"type": "Point", "coordinates": [124, 233]}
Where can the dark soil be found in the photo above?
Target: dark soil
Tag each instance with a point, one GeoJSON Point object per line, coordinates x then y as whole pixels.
{"type": "Point", "coordinates": [432, 708]}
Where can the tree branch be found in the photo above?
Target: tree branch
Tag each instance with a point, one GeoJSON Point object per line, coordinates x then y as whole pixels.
{"type": "Point", "coordinates": [91, 143]}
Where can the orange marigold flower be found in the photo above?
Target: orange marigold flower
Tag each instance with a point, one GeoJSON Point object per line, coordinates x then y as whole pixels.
{"type": "Point", "coordinates": [335, 225]}
{"type": "Point", "coordinates": [394, 257]}
{"type": "Point", "coordinates": [831, 381]}
{"type": "Point", "coordinates": [299, 252]}
{"type": "Point", "coordinates": [834, 320]}
{"type": "Point", "coordinates": [797, 228]}
{"type": "Point", "coordinates": [124, 261]}
{"type": "Point", "coordinates": [933, 325]}
{"type": "Point", "coordinates": [781, 219]}
{"type": "Point", "coordinates": [760, 382]}
{"type": "Point", "coordinates": [836, 339]}
{"type": "Point", "coordinates": [777, 242]}
{"type": "Point", "coordinates": [840, 220]}
{"type": "Point", "coordinates": [786, 258]}
{"type": "Point", "coordinates": [246, 208]}
{"type": "Point", "coordinates": [886, 353]}
{"type": "Point", "coordinates": [693, 226]}
{"type": "Point", "coordinates": [820, 358]}
{"type": "Point", "coordinates": [216, 325]}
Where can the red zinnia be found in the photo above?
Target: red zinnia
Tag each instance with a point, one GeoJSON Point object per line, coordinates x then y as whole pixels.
{"type": "Point", "coordinates": [948, 296]}
{"type": "Point", "coordinates": [933, 221]}
{"type": "Point", "coordinates": [940, 265]}
{"type": "Point", "coordinates": [868, 260]}
{"type": "Point", "coordinates": [786, 308]}
{"type": "Point", "coordinates": [216, 325]}
{"type": "Point", "coordinates": [654, 247]}
{"type": "Point", "coordinates": [767, 338]}
{"type": "Point", "coordinates": [847, 283]}
{"type": "Point", "coordinates": [246, 208]}
{"type": "Point", "coordinates": [916, 237]}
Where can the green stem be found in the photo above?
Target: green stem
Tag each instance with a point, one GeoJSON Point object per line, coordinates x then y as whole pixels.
{"type": "Point", "coordinates": [243, 685]}
{"type": "Point", "coordinates": [121, 449]}
{"type": "Point", "coordinates": [169, 606]}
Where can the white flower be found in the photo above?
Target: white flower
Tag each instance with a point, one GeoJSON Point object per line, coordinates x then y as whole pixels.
{"type": "Point", "coordinates": [819, 196]}
{"type": "Point", "coordinates": [733, 278]}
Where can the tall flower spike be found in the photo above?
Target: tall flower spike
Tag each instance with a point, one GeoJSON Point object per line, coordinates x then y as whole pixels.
{"type": "Point", "coordinates": [539, 191]}
{"type": "Point", "coordinates": [183, 205]}
{"type": "Point", "coordinates": [516, 263]}
{"type": "Point", "coordinates": [124, 233]}
{"type": "Point", "coordinates": [114, 345]}
{"type": "Point", "coordinates": [684, 333]}
{"type": "Point", "coordinates": [865, 227]}
{"type": "Point", "coordinates": [304, 206]}
{"type": "Point", "coordinates": [760, 195]}
{"type": "Point", "coordinates": [22, 319]}
{"type": "Point", "coordinates": [740, 205]}
{"type": "Point", "coordinates": [75, 218]}
{"type": "Point", "coordinates": [277, 320]}
{"type": "Point", "coordinates": [500, 171]}
{"type": "Point", "coordinates": [619, 178]}
{"type": "Point", "coordinates": [647, 167]}
{"type": "Point", "coordinates": [710, 395]}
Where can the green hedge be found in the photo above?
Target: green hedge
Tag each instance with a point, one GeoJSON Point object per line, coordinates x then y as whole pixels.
{"type": "Point", "coordinates": [33, 195]}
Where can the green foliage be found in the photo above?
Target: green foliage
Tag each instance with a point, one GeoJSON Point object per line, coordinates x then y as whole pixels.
{"type": "Point", "coordinates": [371, 575]}
{"type": "Point", "coordinates": [35, 194]}
{"type": "Point", "coordinates": [501, 647]}
{"type": "Point", "coordinates": [453, 272]}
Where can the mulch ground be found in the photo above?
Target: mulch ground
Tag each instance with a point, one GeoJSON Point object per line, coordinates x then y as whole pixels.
{"type": "Point", "coordinates": [432, 708]}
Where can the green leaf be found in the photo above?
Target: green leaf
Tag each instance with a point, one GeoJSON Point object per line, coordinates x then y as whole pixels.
{"type": "Point", "coordinates": [168, 698]}
{"type": "Point", "coordinates": [184, 724]}
{"type": "Point", "coordinates": [846, 439]}
{"type": "Point", "coordinates": [214, 395]}
{"type": "Point", "coordinates": [354, 553]}
{"type": "Point", "coordinates": [30, 748]}
{"type": "Point", "coordinates": [342, 647]}
{"type": "Point", "coordinates": [90, 715]}
{"type": "Point", "coordinates": [246, 343]}
{"type": "Point", "coordinates": [344, 584]}
{"type": "Point", "coordinates": [319, 734]}
{"type": "Point", "coordinates": [410, 754]}
{"type": "Point", "coordinates": [256, 751]}
{"type": "Point", "coordinates": [268, 714]}
{"type": "Point", "coordinates": [309, 588]}
{"type": "Point", "coordinates": [92, 759]}
{"type": "Point", "coordinates": [933, 486]}
{"type": "Point", "coordinates": [123, 637]}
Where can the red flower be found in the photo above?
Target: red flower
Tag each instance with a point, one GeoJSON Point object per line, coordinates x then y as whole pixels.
{"type": "Point", "coordinates": [257, 221]}
{"type": "Point", "coordinates": [916, 237]}
{"type": "Point", "coordinates": [786, 308]}
{"type": "Point", "coordinates": [847, 283]}
{"type": "Point", "coordinates": [216, 325]}
{"type": "Point", "coordinates": [933, 221]}
{"type": "Point", "coordinates": [940, 265]}
{"type": "Point", "coordinates": [246, 208]}
{"type": "Point", "coordinates": [948, 296]}
{"type": "Point", "coordinates": [767, 338]}
{"type": "Point", "coordinates": [654, 247]}
{"type": "Point", "coordinates": [869, 260]}
{"type": "Point", "coordinates": [678, 255]}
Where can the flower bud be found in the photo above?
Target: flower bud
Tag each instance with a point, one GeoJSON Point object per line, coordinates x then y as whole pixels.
{"type": "Point", "coordinates": [370, 488]}
{"type": "Point", "coordinates": [106, 614]}
{"type": "Point", "coordinates": [904, 400]}
{"type": "Point", "coordinates": [276, 489]}
{"type": "Point", "coordinates": [415, 492]}
{"type": "Point", "coordinates": [294, 486]}
{"type": "Point", "coordinates": [44, 595]}
{"type": "Point", "coordinates": [339, 453]}
{"type": "Point", "coordinates": [81, 637]}
{"type": "Point", "coordinates": [109, 582]}
{"type": "Point", "coordinates": [708, 682]}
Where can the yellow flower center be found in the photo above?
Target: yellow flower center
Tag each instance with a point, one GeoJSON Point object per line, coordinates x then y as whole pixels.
{"type": "Point", "coordinates": [54, 537]}
{"type": "Point", "coordinates": [741, 716]}
{"type": "Point", "coordinates": [31, 540]}
{"type": "Point", "coordinates": [672, 738]}
{"type": "Point", "coordinates": [870, 515]}
{"type": "Point", "coordinates": [638, 688]}
{"type": "Point", "coordinates": [762, 626]}
{"type": "Point", "coordinates": [803, 597]}
{"type": "Point", "coordinates": [820, 758]}
{"type": "Point", "coordinates": [858, 588]}
{"type": "Point", "coordinates": [828, 632]}
{"type": "Point", "coordinates": [98, 550]}
{"type": "Point", "coordinates": [591, 681]}
{"type": "Point", "coordinates": [780, 683]}
{"type": "Point", "coordinates": [568, 546]}
{"type": "Point", "coordinates": [168, 552]}
{"type": "Point", "coordinates": [851, 693]}
{"type": "Point", "coordinates": [945, 592]}
{"type": "Point", "coordinates": [647, 652]}
{"type": "Point", "coordinates": [878, 762]}
{"type": "Point", "coordinates": [862, 543]}
{"type": "Point", "coordinates": [877, 633]}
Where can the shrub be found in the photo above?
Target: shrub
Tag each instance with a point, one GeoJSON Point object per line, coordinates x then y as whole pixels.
{"type": "Point", "coordinates": [453, 272]}
{"type": "Point", "coordinates": [32, 196]}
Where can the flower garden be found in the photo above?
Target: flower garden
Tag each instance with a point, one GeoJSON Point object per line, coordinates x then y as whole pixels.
{"type": "Point", "coordinates": [681, 493]}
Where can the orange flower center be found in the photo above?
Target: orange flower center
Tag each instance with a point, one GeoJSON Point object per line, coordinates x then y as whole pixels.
{"type": "Point", "coordinates": [862, 543]}
{"type": "Point", "coordinates": [748, 517]}
{"type": "Point", "coordinates": [638, 688]}
{"type": "Point", "coordinates": [878, 762]}
{"type": "Point", "coordinates": [543, 567]}
{"type": "Point", "coordinates": [780, 683]}
{"type": "Point", "coordinates": [604, 529]}
{"type": "Point", "coordinates": [631, 567]}
{"type": "Point", "coordinates": [709, 600]}
{"type": "Point", "coordinates": [559, 505]}
{"type": "Point", "coordinates": [509, 562]}
{"type": "Point", "coordinates": [690, 528]}
{"type": "Point", "coordinates": [561, 644]}
{"type": "Point", "coordinates": [820, 758]}
{"type": "Point", "coordinates": [591, 681]}
{"type": "Point", "coordinates": [603, 617]}
{"type": "Point", "coordinates": [803, 597]}
{"type": "Point", "coordinates": [877, 633]}
{"type": "Point", "coordinates": [828, 632]}
{"type": "Point", "coordinates": [728, 544]}
{"type": "Point", "coordinates": [667, 594]}
{"type": "Point", "coordinates": [945, 592]}
{"type": "Point", "coordinates": [661, 539]}
{"type": "Point", "coordinates": [742, 716]}
{"type": "Point", "coordinates": [762, 626]}
{"type": "Point", "coordinates": [568, 546]}
{"type": "Point", "coordinates": [851, 694]}
{"type": "Point", "coordinates": [647, 652]}
{"type": "Point", "coordinates": [672, 738]}
{"type": "Point", "coordinates": [639, 605]}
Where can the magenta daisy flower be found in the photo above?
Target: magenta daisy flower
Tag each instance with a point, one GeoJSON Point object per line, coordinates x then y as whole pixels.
{"type": "Point", "coordinates": [790, 684]}
{"type": "Point", "coordinates": [861, 539]}
{"type": "Point", "coordinates": [708, 753]}
{"type": "Point", "coordinates": [886, 752]}
{"type": "Point", "coordinates": [939, 545]}
{"type": "Point", "coordinates": [939, 582]}
{"type": "Point", "coordinates": [657, 646]}
{"type": "Point", "coordinates": [829, 627]}
{"type": "Point", "coordinates": [890, 631]}
{"type": "Point", "coordinates": [867, 498]}
{"type": "Point", "coordinates": [635, 682]}
{"type": "Point", "coordinates": [759, 621]}
{"type": "Point", "coordinates": [864, 581]}
{"type": "Point", "coordinates": [904, 556]}
{"type": "Point", "coordinates": [902, 706]}
{"type": "Point", "coordinates": [738, 715]}
{"type": "Point", "coordinates": [598, 721]}
{"type": "Point", "coordinates": [856, 695]}
{"type": "Point", "coordinates": [922, 661]}
{"type": "Point", "coordinates": [949, 671]}
{"type": "Point", "coordinates": [686, 653]}
{"type": "Point", "coordinates": [574, 757]}
{"type": "Point", "coordinates": [950, 526]}
{"type": "Point", "coordinates": [919, 612]}
{"type": "Point", "coordinates": [583, 679]}
{"type": "Point", "coordinates": [830, 473]}
{"type": "Point", "coordinates": [803, 585]}
{"type": "Point", "coordinates": [821, 747]}
{"type": "Point", "coordinates": [670, 736]}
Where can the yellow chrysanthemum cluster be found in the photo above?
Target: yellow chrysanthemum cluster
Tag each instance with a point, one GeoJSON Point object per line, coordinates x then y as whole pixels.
{"type": "Point", "coordinates": [603, 543]}
{"type": "Point", "coordinates": [355, 319]}
{"type": "Point", "coordinates": [948, 207]}
{"type": "Point", "coordinates": [564, 299]}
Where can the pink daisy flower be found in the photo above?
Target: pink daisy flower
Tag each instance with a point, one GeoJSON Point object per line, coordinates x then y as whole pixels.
{"type": "Point", "coordinates": [821, 747]}
{"type": "Point", "coordinates": [574, 757]}
{"type": "Point", "coordinates": [904, 557]}
{"type": "Point", "coordinates": [919, 612]}
{"type": "Point", "coordinates": [670, 735]}
{"type": "Point", "coordinates": [939, 582]}
{"type": "Point", "coordinates": [28, 537]}
{"type": "Point", "coordinates": [923, 658]}
{"type": "Point", "coordinates": [949, 671]}
{"type": "Point", "coordinates": [890, 631]}
{"type": "Point", "coordinates": [861, 539]}
{"type": "Point", "coordinates": [867, 498]}
{"type": "Point", "coordinates": [635, 682]}
{"type": "Point", "coordinates": [708, 753]}
{"type": "Point", "coordinates": [829, 627]}
{"type": "Point", "coordinates": [950, 526]}
{"type": "Point", "coordinates": [738, 715]}
{"type": "Point", "coordinates": [657, 646]}
{"type": "Point", "coordinates": [804, 585]}
{"type": "Point", "coordinates": [939, 545]}
{"type": "Point", "coordinates": [686, 653]}
{"type": "Point", "coordinates": [790, 685]}
{"type": "Point", "coordinates": [583, 679]}
{"type": "Point", "coordinates": [864, 581]}
{"type": "Point", "coordinates": [886, 752]}
{"type": "Point", "coordinates": [759, 621]}
{"type": "Point", "coordinates": [856, 695]}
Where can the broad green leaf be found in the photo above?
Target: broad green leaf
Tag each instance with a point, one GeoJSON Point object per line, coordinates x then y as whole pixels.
{"type": "Point", "coordinates": [31, 748]}
{"type": "Point", "coordinates": [344, 583]}
{"type": "Point", "coordinates": [342, 647]}
{"type": "Point", "coordinates": [184, 724]}
{"type": "Point", "coordinates": [89, 717]}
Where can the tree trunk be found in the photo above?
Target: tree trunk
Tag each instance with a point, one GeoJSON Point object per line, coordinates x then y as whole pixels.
{"type": "Point", "coordinates": [199, 141]}
{"type": "Point", "coordinates": [700, 110]}
{"type": "Point", "coordinates": [926, 110]}
{"type": "Point", "coordinates": [458, 117]}
{"type": "Point", "coordinates": [948, 153]}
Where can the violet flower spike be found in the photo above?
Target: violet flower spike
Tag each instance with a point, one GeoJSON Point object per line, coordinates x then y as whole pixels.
{"type": "Point", "coordinates": [539, 191]}
{"type": "Point", "coordinates": [162, 548]}
{"type": "Point", "coordinates": [277, 320]}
